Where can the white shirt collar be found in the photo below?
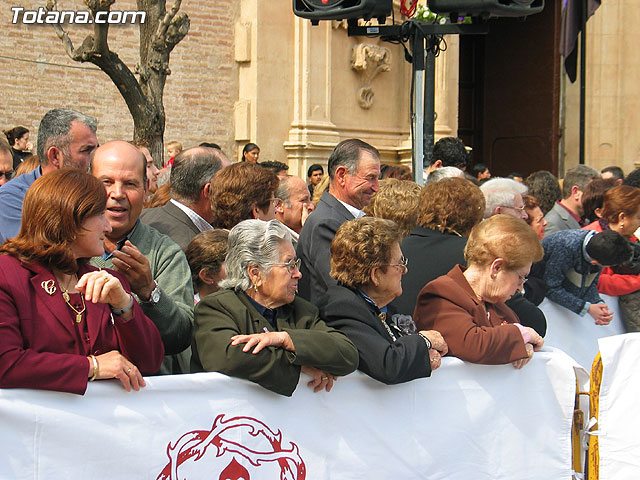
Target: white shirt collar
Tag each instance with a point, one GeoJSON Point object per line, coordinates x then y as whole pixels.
{"type": "Point", "coordinates": [357, 213]}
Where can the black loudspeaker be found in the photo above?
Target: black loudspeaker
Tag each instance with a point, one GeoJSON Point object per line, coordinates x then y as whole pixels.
{"type": "Point", "coordinates": [486, 8]}
{"type": "Point", "coordinates": [316, 10]}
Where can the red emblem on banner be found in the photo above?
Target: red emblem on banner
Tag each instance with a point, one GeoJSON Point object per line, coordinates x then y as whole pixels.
{"type": "Point", "coordinates": [235, 454]}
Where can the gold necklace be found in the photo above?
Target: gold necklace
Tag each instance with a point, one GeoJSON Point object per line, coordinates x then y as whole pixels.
{"type": "Point", "coordinates": [65, 295]}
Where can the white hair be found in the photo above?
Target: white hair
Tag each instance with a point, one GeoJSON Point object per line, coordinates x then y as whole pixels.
{"type": "Point", "coordinates": [501, 192]}
{"type": "Point", "coordinates": [444, 172]}
{"type": "Point", "coordinates": [252, 242]}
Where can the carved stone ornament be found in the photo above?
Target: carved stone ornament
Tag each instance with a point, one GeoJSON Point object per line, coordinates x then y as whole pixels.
{"type": "Point", "coordinates": [369, 60]}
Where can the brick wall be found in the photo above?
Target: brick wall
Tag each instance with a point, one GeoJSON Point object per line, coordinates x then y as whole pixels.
{"type": "Point", "coordinates": [199, 94]}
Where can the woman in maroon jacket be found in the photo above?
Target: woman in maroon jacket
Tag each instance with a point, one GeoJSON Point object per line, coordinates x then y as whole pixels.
{"type": "Point", "coordinates": [64, 323]}
{"type": "Point", "coordinates": [467, 305]}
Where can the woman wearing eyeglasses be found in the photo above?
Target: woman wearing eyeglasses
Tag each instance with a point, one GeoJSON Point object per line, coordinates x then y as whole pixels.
{"type": "Point", "coordinates": [256, 327]}
{"type": "Point", "coordinates": [467, 304]}
{"type": "Point", "coordinates": [367, 263]}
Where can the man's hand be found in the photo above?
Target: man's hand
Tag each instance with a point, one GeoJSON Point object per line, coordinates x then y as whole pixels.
{"type": "Point", "coordinates": [136, 269]}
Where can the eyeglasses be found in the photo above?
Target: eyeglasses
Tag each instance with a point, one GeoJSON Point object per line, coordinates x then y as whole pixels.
{"type": "Point", "coordinates": [403, 264]}
{"type": "Point", "coordinates": [292, 265]}
{"type": "Point", "coordinates": [519, 209]}
{"type": "Point", "coordinates": [8, 174]}
{"type": "Point", "coordinates": [522, 278]}
{"type": "Point", "coordinates": [277, 202]}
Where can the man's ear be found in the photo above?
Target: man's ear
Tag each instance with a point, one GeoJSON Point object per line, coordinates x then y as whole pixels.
{"type": "Point", "coordinates": [55, 157]}
{"type": "Point", "coordinates": [340, 175]}
{"type": "Point", "coordinates": [437, 164]}
{"type": "Point", "coordinates": [206, 191]}
{"type": "Point", "coordinates": [575, 190]}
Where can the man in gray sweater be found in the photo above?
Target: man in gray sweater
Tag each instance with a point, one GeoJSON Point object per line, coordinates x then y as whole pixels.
{"type": "Point", "coordinates": [154, 265]}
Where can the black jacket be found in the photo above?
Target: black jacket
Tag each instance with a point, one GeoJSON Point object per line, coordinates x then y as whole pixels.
{"type": "Point", "coordinates": [431, 254]}
{"type": "Point", "coordinates": [380, 357]}
{"type": "Point", "coordinates": [314, 246]}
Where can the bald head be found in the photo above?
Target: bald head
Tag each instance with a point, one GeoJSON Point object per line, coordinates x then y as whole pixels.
{"type": "Point", "coordinates": [120, 150]}
{"type": "Point", "coordinates": [121, 167]}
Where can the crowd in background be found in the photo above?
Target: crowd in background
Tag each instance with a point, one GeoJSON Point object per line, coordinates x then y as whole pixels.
{"type": "Point", "coordinates": [133, 268]}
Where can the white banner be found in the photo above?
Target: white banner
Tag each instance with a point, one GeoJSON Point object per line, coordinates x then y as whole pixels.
{"type": "Point", "coordinates": [618, 419]}
{"type": "Point", "coordinates": [578, 336]}
{"type": "Point", "coordinates": [466, 422]}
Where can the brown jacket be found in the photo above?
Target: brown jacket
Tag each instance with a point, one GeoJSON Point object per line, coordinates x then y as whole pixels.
{"type": "Point", "coordinates": [449, 305]}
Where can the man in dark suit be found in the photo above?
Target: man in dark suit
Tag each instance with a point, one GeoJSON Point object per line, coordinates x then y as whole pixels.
{"type": "Point", "coordinates": [354, 167]}
{"type": "Point", "coordinates": [189, 210]}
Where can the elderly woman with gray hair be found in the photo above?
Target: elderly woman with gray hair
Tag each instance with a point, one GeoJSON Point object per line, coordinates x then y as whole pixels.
{"type": "Point", "coordinates": [256, 327]}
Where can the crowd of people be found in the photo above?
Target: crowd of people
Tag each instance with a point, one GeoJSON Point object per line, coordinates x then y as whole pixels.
{"type": "Point", "coordinates": [113, 268]}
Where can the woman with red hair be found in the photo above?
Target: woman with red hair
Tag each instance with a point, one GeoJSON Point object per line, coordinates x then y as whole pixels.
{"type": "Point", "coordinates": [64, 323]}
{"type": "Point", "coordinates": [621, 213]}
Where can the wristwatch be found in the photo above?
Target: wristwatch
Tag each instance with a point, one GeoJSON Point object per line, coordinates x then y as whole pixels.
{"type": "Point", "coordinates": [155, 294]}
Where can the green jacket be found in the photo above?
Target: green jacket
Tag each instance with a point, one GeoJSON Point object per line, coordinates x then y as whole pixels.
{"type": "Point", "coordinates": [225, 313]}
{"type": "Point", "coordinates": [173, 314]}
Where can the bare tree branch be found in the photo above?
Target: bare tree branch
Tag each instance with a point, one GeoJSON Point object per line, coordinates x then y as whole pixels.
{"type": "Point", "coordinates": [61, 33]}
{"type": "Point", "coordinates": [168, 17]}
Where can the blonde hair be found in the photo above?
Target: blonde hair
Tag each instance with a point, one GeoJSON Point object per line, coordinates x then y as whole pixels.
{"type": "Point", "coordinates": [320, 188]}
{"type": "Point", "coordinates": [176, 145]}
{"type": "Point", "coordinates": [506, 237]}
{"type": "Point", "coordinates": [396, 200]}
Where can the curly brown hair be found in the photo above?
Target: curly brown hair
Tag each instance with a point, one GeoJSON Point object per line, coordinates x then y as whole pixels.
{"type": "Point", "coordinates": [54, 209]}
{"type": "Point", "coordinates": [452, 205]}
{"type": "Point", "coordinates": [237, 189]}
{"type": "Point", "coordinates": [359, 246]}
{"type": "Point", "coordinates": [396, 200]}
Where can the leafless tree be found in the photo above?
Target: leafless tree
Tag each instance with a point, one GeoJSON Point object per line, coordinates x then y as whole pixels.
{"type": "Point", "coordinates": [161, 31]}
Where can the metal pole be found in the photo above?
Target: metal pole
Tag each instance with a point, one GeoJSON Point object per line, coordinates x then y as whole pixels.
{"type": "Point", "coordinates": [583, 80]}
{"type": "Point", "coordinates": [429, 99]}
{"type": "Point", "coordinates": [418, 107]}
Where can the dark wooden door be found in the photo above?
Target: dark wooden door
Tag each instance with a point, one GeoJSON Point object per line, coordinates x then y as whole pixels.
{"type": "Point", "coordinates": [510, 93]}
